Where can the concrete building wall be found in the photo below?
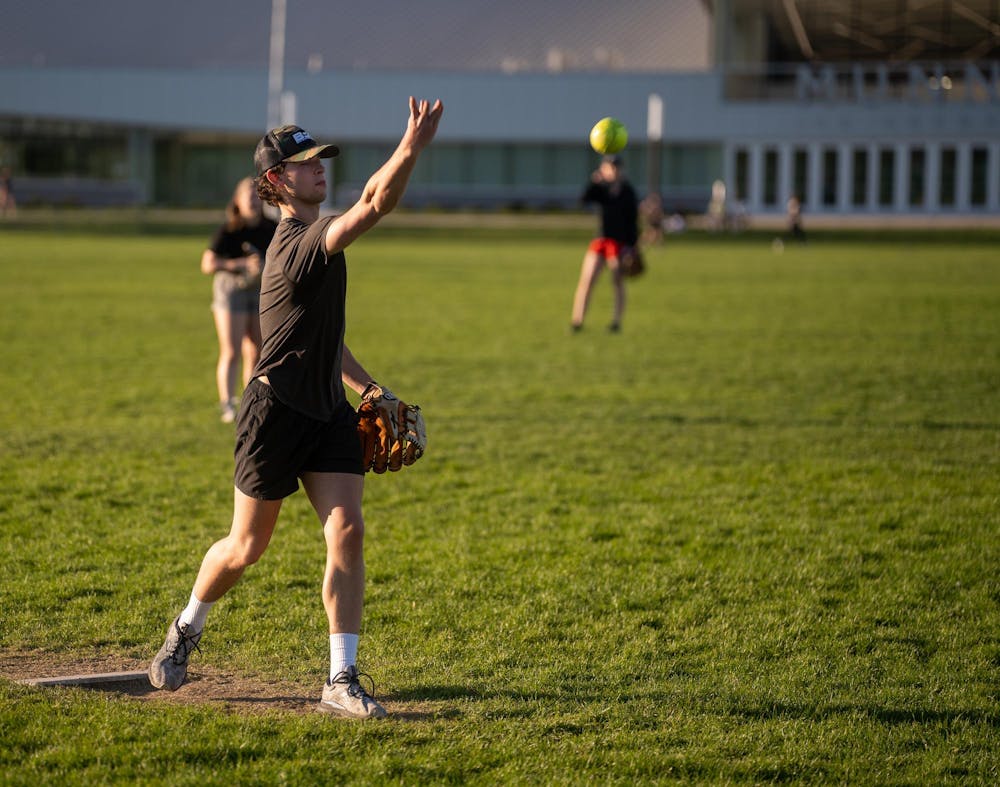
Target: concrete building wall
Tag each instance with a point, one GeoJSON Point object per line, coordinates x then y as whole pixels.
{"type": "Point", "coordinates": [524, 136]}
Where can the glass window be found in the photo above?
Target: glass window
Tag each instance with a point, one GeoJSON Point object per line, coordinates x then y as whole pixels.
{"type": "Point", "coordinates": [770, 178]}
{"type": "Point", "coordinates": [886, 176]}
{"type": "Point", "coordinates": [800, 174]}
{"type": "Point", "coordinates": [530, 167]}
{"type": "Point", "coordinates": [830, 177]}
{"type": "Point", "coordinates": [917, 160]}
{"type": "Point", "coordinates": [572, 165]}
{"type": "Point", "coordinates": [451, 165]}
{"type": "Point", "coordinates": [980, 159]}
{"type": "Point", "coordinates": [636, 161]}
{"type": "Point", "coordinates": [741, 175]}
{"type": "Point", "coordinates": [488, 164]}
{"type": "Point", "coordinates": [85, 156]}
{"type": "Point", "coordinates": [690, 166]}
{"type": "Point", "coordinates": [949, 170]}
{"type": "Point", "coordinates": [859, 189]}
{"type": "Point", "coordinates": [202, 170]}
{"type": "Point", "coordinates": [358, 162]}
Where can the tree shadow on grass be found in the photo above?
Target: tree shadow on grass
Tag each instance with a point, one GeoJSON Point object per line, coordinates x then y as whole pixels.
{"type": "Point", "coordinates": [523, 704]}
{"type": "Point", "coordinates": [510, 704]}
{"type": "Point", "coordinates": [883, 715]}
{"type": "Point", "coordinates": [832, 422]}
{"type": "Point", "coordinates": [431, 702]}
{"type": "Point", "coordinates": [430, 693]}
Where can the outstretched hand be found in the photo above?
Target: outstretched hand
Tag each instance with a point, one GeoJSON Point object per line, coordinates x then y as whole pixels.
{"type": "Point", "coordinates": [385, 187]}
{"type": "Point", "coordinates": [424, 120]}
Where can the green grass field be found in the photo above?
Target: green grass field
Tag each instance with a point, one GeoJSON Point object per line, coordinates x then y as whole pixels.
{"type": "Point", "coordinates": [753, 538]}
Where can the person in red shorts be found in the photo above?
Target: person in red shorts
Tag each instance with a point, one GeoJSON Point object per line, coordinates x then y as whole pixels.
{"type": "Point", "coordinates": [617, 242]}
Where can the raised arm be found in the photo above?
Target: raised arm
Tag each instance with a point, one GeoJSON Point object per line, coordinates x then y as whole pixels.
{"type": "Point", "coordinates": [385, 188]}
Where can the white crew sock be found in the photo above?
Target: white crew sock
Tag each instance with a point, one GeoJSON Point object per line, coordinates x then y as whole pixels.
{"type": "Point", "coordinates": [343, 653]}
{"type": "Point", "coordinates": [195, 612]}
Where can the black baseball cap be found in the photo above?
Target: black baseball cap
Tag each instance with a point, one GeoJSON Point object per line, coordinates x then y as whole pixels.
{"type": "Point", "coordinates": [288, 143]}
{"type": "Point", "coordinates": [613, 159]}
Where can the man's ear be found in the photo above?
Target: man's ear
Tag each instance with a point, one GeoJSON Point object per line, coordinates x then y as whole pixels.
{"type": "Point", "coordinates": [273, 177]}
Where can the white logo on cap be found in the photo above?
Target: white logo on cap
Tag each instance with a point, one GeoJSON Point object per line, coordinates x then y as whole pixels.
{"type": "Point", "coordinates": [301, 136]}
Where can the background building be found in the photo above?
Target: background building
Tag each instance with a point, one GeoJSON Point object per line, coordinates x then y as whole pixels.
{"type": "Point", "coordinates": [866, 107]}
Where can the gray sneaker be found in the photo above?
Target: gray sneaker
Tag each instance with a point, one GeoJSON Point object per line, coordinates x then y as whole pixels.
{"type": "Point", "coordinates": [169, 667]}
{"type": "Point", "coordinates": [227, 411]}
{"type": "Point", "coordinates": [344, 696]}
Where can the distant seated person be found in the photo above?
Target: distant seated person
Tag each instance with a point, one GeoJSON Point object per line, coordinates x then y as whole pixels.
{"type": "Point", "coordinates": [651, 212]}
{"type": "Point", "coordinates": [738, 218]}
{"type": "Point", "coordinates": [676, 223]}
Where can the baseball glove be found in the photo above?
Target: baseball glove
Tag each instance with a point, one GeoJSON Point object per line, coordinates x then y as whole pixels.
{"type": "Point", "coordinates": [392, 433]}
{"type": "Point", "coordinates": [633, 264]}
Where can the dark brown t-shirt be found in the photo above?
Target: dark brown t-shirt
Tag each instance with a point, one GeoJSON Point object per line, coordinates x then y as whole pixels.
{"type": "Point", "coordinates": [302, 299]}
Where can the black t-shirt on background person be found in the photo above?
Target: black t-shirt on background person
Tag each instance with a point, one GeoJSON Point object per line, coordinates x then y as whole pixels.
{"type": "Point", "coordinates": [619, 210]}
{"type": "Point", "coordinates": [228, 244]}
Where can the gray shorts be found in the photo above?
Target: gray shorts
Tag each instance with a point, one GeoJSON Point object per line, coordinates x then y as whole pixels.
{"type": "Point", "coordinates": [233, 292]}
{"type": "Point", "coordinates": [275, 444]}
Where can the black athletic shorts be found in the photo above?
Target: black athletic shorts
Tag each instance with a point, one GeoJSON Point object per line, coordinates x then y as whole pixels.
{"type": "Point", "coordinates": [275, 444]}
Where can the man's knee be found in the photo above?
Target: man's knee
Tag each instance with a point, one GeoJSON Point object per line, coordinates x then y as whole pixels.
{"type": "Point", "coordinates": [345, 532]}
{"type": "Point", "coordinates": [244, 552]}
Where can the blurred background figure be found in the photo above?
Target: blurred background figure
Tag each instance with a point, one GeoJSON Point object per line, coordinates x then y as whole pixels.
{"type": "Point", "coordinates": [616, 244]}
{"type": "Point", "coordinates": [794, 212]}
{"type": "Point", "coordinates": [653, 219]}
{"type": "Point", "coordinates": [8, 205]}
{"type": "Point", "coordinates": [235, 259]}
{"type": "Point", "coordinates": [716, 219]}
{"type": "Point", "coordinates": [738, 218]}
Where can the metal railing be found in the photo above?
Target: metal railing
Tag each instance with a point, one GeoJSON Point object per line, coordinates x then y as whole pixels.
{"type": "Point", "coordinates": [859, 83]}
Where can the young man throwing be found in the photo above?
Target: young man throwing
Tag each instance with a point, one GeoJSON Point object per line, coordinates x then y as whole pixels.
{"type": "Point", "coordinates": [295, 421]}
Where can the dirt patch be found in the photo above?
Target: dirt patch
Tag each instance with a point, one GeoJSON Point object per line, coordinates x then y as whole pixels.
{"type": "Point", "coordinates": [208, 686]}
{"type": "Point", "coordinates": [205, 685]}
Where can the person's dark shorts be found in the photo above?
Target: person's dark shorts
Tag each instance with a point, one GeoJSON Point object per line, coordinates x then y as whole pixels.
{"type": "Point", "coordinates": [275, 444]}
